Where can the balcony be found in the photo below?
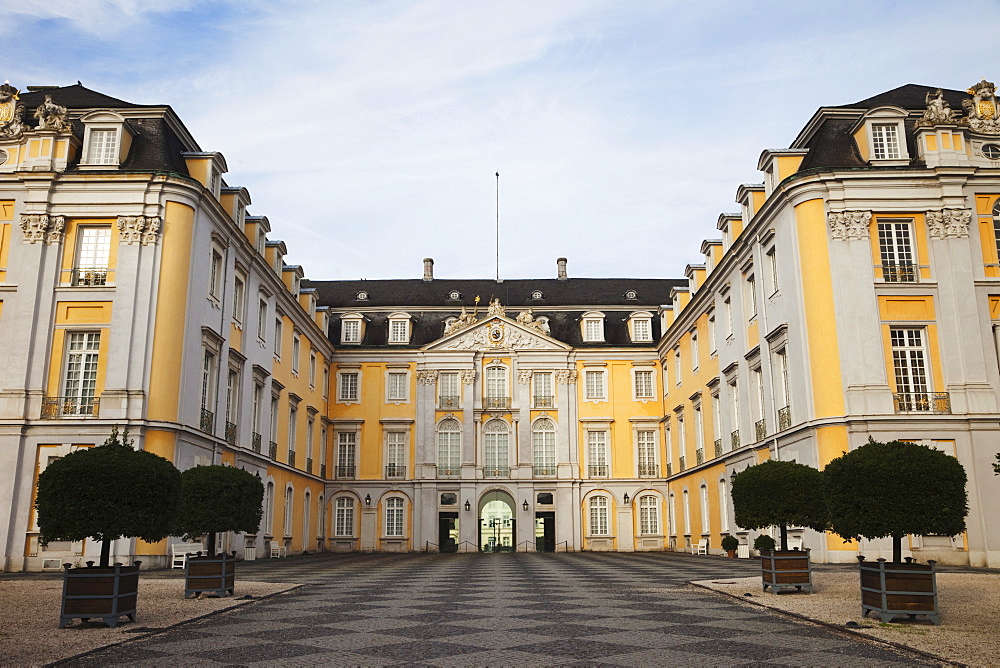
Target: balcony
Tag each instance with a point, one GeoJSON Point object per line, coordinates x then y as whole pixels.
{"type": "Point", "coordinates": [670, 469]}
{"type": "Point", "coordinates": [345, 472]}
{"type": "Point", "coordinates": [90, 277]}
{"type": "Point", "coordinates": [272, 450]}
{"type": "Point", "coordinates": [543, 402]}
{"type": "Point", "coordinates": [899, 272]}
{"type": "Point", "coordinates": [291, 457]}
{"type": "Point", "coordinates": [445, 403]}
{"type": "Point", "coordinates": [207, 423]}
{"type": "Point", "coordinates": [699, 457]}
{"type": "Point", "coordinates": [395, 471]}
{"type": "Point", "coordinates": [543, 470]}
{"type": "Point", "coordinates": [496, 403]}
{"type": "Point", "coordinates": [255, 442]}
{"type": "Point", "coordinates": [598, 470]}
{"type": "Point", "coordinates": [682, 464]}
{"type": "Point", "coordinates": [649, 471]}
{"type": "Point", "coordinates": [496, 471]}
{"type": "Point", "coordinates": [322, 471]}
{"type": "Point", "coordinates": [61, 407]}
{"type": "Point", "coordinates": [760, 429]}
{"type": "Point", "coordinates": [784, 418]}
{"type": "Point", "coordinates": [309, 464]}
{"type": "Point", "coordinates": [448, 471]}
{"type": "Point", "coordinates": [230, 433]}
{"type": "Point", "coordinates": [922, 402]}
{"type": "Point", "coordinates": [718, 447]}
{"type": "Point", "coordinates": [734, 439]}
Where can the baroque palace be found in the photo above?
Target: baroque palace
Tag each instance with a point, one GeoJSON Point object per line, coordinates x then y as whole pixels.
{"type": "Point", "coordinates": [856, 293]}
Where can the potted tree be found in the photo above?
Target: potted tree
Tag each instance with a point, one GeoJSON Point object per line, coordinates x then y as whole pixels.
{"type": "Point", "coordinates": [763, 543]}
{"type": "Point", "coordinates": [106, 492]}
{"type": "Point", "coordinates": [891, 490]}
{"type": "Point", "coordinates": [776, 493]}
{"type": "Point", "coordinates": [216, 499]}
{"type": "Point", "coordinates": [729, 544]}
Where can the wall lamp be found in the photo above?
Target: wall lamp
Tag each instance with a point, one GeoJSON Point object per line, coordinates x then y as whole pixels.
{"type": "Point", "coordinates": [625, 498]}
{"type": "Point", "coordinates": [525, 505]}
{"type": "Point", "coordinates": [468, 506]}
{"type": "Point", "coordinates": [368, 499]}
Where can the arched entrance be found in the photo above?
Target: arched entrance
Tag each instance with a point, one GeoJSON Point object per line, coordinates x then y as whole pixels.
{"type": "Point", "coordinates": [497, 525]}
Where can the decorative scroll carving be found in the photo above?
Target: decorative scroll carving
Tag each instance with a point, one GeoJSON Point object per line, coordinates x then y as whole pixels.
{"type": "Point", "coordinates": [52, 116]}
{"type": "Point", "coordinates": [982, 109]}
{"type": "Point", "coordinates": [948, 223]}
{"type": "Point", "coordinates": [524, 376]}
{"type": "Point", "coordinates": [566, 376]}
{"type": "Point", "coordinates": [152, 233]}
{"type": "Point", "coordinates": [56, 227]}
{"type": "Point", "coordinates": [34, 226]}
{"type": "Point", "coordinates": [130, 228]}
{"type": "Point", "coordinates": [468, 376]}
{"type": "Point", "coordinates": [938, 110]}
{"type": "Point", "coordinates": [849, 224]}
{"type": "Point", "coordinates": [497, 337]}
{"type": "Point", "coordinates": [427, 376]}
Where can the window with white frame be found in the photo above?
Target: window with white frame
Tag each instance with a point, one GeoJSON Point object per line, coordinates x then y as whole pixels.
{"type": "Point", "coordinates": [672, 515]}
{"type": "Point", "coordinates": [703, 499]}
{"type": "Point", "coordinates": [449, 444]}
{"type": "Point", "coordinates": [496, 387]}
{"type": "Point", "coordinates": [80, 373]}
{"type": "Point", "coordinates": [310, 435]}
{"type": "Point", "coordinates": [681, 434]}
{"type": "Point", "coordinates": [448, 394]}
{"type": "Point", "coordinates": [496, 448]}
{"type": "Point", "coordinates": [781, 366]}
{"type": "Point", "coordinates": [757, 378]}
{"type": "Point", "coordinates": [772, 271]}
{"type": "Point", "coordinates": [102, 146]}
{"type": "Point", "coordinates": [209, 373]}
{"type": "Point", "coordinates": [694, 351]}
{"type": "Point", "coordinates": [643, 379]}
{"type": "Point", "coordinates": [678, 368]}
{"type": "Point", "coordinates": [645, 445]}
{"type": "Point", "coordinates": [699, 433]}
{"type": "Point", "coordinates": [727, 310]}
{"type": "Point", "coordinates": [594, 385]}
{"type": "Point", "coordinates": [895, 243]}
{"type": "Point", "coordinates": [277, 337]}
{"type": "Point", "coordinates": [542, 395]}
{"type": "Point", "coordinates": [649, 515]}
{"type": "Point", "coordinates": [93, 254]}
{"type": "Point", "coordinates": [686, 504]}
{"type": "Point", "coordinates": [216, 273]}
{"type": "Point", "coordinates": [347, 446]}
{"type": "Point", "coordinates": [232, 399]}
{"type": "Point", "coordinates": [543, 446]}
{"type": "Point", "coordinates": [717, 422]}
{"type": "Point", "coordinates": [256, 406]}
{"type": "Point", "coordinates": [712, 343]}
{"type": "Point", "coordinates": [734, 416]}
{"type": "Point", "coordinates": [269, 509]}
{"type": "Point", "coordinates": [593, 327]}
{"type": "Point", "coordinates": [910, 369]}
{"type": "Point", "coordinates": [239, 299]}
{"type": "Point", "coordinates": [599, 516]}
{"type": "Point", "coordinates": [885, 141]}
{"type": "Point", "coordinates": [350, 329]}
{"type": "Point", "coordinates": [723, 504]}
{"type": "Point", "coordinates": [750, 296]}
{"type": "Point", "coordinates": [293, 426]}
{"type": "Point", "coordinates": [287, 525]}
{"type": "Point", "coordinates": [399, 328]}
{"type": "Point", "coordinates": [343, 521]}
{"type": "Point", "coordinates": [347, 386]}
{"type": "Point", "coordinates": [296, 348]}
{"type": "Point", "coordinates": [393, 517]}
{"type": "Point", "coordinates": [642, 327]}
{"type": "Point", "coordinates": [262, 319]}
{"type": "Point", "coordinates": [397, 386]}
{"type": "Point", "coordinates": [312, 369]}
{"type": "Point", "coordinates": [395, 454]}
{"type": "Point", "coordinates": [326, 381]}
{"type": "Point", "coordinates": [597, 454]}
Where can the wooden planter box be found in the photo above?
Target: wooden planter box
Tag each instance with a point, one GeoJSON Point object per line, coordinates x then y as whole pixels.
{"type": "Point", "coordinates": [99, 593]}
{"type": "Point", "coordinates": [891, 589]}
{"type": "Point", "coordinates": [210, 574]}
{"type": "Point", "coordinates": [786, 569]}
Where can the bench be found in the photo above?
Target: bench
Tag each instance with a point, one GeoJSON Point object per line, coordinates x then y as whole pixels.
{"type": "Point", "coordinates": [701, 547]}
{"type": "Point", "coordinates": [179, 553]}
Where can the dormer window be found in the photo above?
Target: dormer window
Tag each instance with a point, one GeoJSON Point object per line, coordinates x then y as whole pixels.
{"type": "Point", "coordinates": [630, 294]}
{"type": "Point", "coordinates": [103, 147]}
{"type": "Point", "coordinates": [640, 327]}
{"type": "Point", "coordinates": [351, 328]}
{"type": "Point", "coordinates": [454, 294]}
{"type": "Point", "coordinates": [593, 326]}
{"type": "Point", "coordinates": [881, 136]}
{"type": "Point", "coordinates": [537, 294]}
{"type": "Point", "coordinates": [361, 296]}
{"type": "Point", "coordinates": [105, 140]}
{"type": "Point", "coordinates": [885, 141]}
{"type": "Point", "coordinates": [399, 328]}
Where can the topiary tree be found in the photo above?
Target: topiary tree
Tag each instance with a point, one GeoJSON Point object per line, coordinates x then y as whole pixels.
{"type": "Point", "coordinates": [775, 493]}
{"type": "Point", "coordinates": [763, 543]}
{"type": "Point", "coordinates": [219, 498]}
{"type": "Point", "coordinates": [894, 489]}
{"type": "Point", "coordinates": [108, 492]}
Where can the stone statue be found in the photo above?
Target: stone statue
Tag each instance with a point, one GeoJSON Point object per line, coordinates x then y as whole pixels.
{"type": "Point", "coordinates": [525, 317]}
{"type": "Point", "coordinates": [52, 116]}
{"type": "Point", "coordinates": [496, 308]}
{"type": "Point", "coordinates": [461, 322]}
{"type": "Point", "coordinates": [938, 110]}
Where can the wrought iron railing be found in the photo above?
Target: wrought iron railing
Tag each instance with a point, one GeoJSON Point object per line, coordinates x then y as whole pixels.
{"type": "Point", "coordinates": [309, 464]}
{"type": "Point", "coordinates": [322, 471]}
{"type": "Point", "coordinates": [760, 429]}
{"type": "Point", "coordinates": [346, 471]}
{"type": "Point", "coordinates": [272, 450]}
{"type": "Point", "coordinates": [291, 457]}
{"type": "Point", "coordinates": [899, 272]}
{"type": "Point", "coordinates": [496, 403]}
{"type": "Point", "coordinates": [90, 277]}
{"type": "Point", "coordinates": [207, 423]}
{"type": "Point", "coordinates": [921, 402]}
{"type": "Point", "coordinates": [57, 407]}
{"type": "Point", "coordinates": [230, 433]}
{"type": "Point", "coordinates": [496, 472]}
{"type": "Point", "coordinates": [598, 470]}
{"type": "Point", "coordinates": [395, 471]}
{"type": "Point", "coordinates": [448, 471]}
{"type": "Point", "coordinates": [682, 464]}
{"type": "Point", "coordinates": [699, 457]}
{"type": "Point", "coordinates": [649, 471]}
{"type": "Point", "coordinates": [447, 402]}
{"type": "Point", "coordinates": [543, 401]}
{"type": "Point", "coordinates": [718, 447]}
{"type": "Point", "coordinates": [734, 439]}
{"type": "Point", "coordinates": [255, 442]}
{"type": "Point", "coordinates": [670, 469]}
{"type": "Point", "coordinates": [784, 418]}
{"type": "Point", "coordinates": [543, 469]}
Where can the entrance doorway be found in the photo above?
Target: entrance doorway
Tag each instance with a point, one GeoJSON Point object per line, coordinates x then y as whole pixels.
{"type": "Point", "coordinates": [448, 532]}
{"type": "Point", "coordinates": [545, 531]}
{"type": "Point", "coordinates": [497, 526]}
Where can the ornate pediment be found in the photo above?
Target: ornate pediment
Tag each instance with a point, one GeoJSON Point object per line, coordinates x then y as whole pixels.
{"type": "Point", "coordinates": [498, 333]}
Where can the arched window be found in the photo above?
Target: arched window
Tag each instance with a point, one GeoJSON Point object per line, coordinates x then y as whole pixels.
{"type": "Point", "coordinates": [449, 442]}
{"type": "Point", "coordinates": [288, 512]}
{"type": "Point", "coordinates": [686, 501]}
{"type": "Point", "coordinates": [598, 516]}
{"type": "Point", "coordinates": [269, 508]}
{"type": "Point", "coordinates": [543, 444]}
{"type": "Point", "coordinates": [723, 505]}
{"type": "Point", "coordinates": [672, 516]}
{"type": "Point", "coordinates": [496, 449]}
{"type": "Point", "coordinates": [703, 501]}
{"type": "Point", "coordinates": [394, 516]}
{"type": "Point", "coordinates": [306, 518]}
{"type": "Point", "coordinates": [344, 518]}
{"type": "Point", "coordinates": [322, 517]}
{"type": "Point", "coordinates": [649, 514]}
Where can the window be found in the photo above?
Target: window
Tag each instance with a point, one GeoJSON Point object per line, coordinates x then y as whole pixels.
{"type": "Point", "coordinates": [594, 385]}
{"type": "Point", "coordinates": [312, 369]}
{"type": "Point", "coordinates": [208, 375]}
{"type": "Point", "coordinates": [348, 386]}
{"type": "Point", "coordinates": [678, 370]}
{"type": "Point", "coordinates": [694, 351]}
{"type": "Point", "coordinates": [734, 397]}
{"type": "Point", "coordinates": [448, 396]}
{"type": "Point", "coordinates": [326, 381]}
{"type": "Point", "coordinates": [397, 386]}
{"type": "Point", "coordinates": [649, 515]}
{"type": "Point", "coordinates": [495, 449]}
{"type": "Point", "coordinates": [597, 453]}
{"type": "Point", "coordinates": [686, 502]}
{"type": "Point", "coordinates": [542, 396]}
{"type": "Point", "coordinates": [909, 369]}
{"type": "Point", "coordinates": [399, 328]}
{"type": "Point", "coordinates": [296, 345]}
{"type": "Point", "coordinates": [395, 454]}
{"type": "Point", "coordinates": [643, 384]}
{"type": "Point", "coordinates": [712, 344]}
{"type": "Point", "coordinates": [347, 442]}
{"type": "Point", "coordinates": [232, 403]}
{"type": "Point", "coordinates": [287, 529]}
{"type": "Point", "coordinates": [723, 505]}
{"type": "Point", "coordinates": [262, 319]}
{"type": "Point", "coordinates": [727, 309]}
{"type": "Point", "coordinates": [672, 515]}
{"type": "Point", "coordinates": [102, 148]}
{"type": "Point", "coordinates": [310, 435]}
{"type": "Point", "coordinates": [593, 327]}
{"type": "Point", "coordinates": [215, 274]}
{"type": "Point", "coordinates": [885, 141]}
{"type": "Point", "coordinates": [350, 329]}
{"type": "Point", "coordinates": [449, 442]}
{"type": "Point", "coordinates": [598, 516]}
{"type": "Point", "coordinates": [80, 376]}
{"type": "Point", "coordinates": [239, 299]}
{"type": "Point", "coordinates": [641, 326]}
{"type": "Point", "coordinates": [496, 387]}
{"type": "Point", "coordinates": [269, 509]}
{"type": "Point", "coordinates": [645, 443]}
{"type": "Point", "coordinates": [996, 224]}
{"type": "Point", "coordinates": [750, 297]}
{"type": "Point", "coordinates": [895, 242]}
{"type": "Point", "coordinates": [699, 434]}
{"type": "Point", "coordinates": [703, 500]}
{"type": "Point", "coordinates": [277, 337]}
{"type": "Point", "coordinates": [784, 412]}
{"type": "Point", "coordinates": [343, 521]}
{"type": "Point", "coordinates": [543, 446]}
{"type": "Point", "coordinates": [293, 419]}
{"type": "Point", "coordinates": [760, 427]}
{"type": "Point", "coordinates": [393, 516]}
{"type": "Point", "coordinates": [92, 255]}
{"type": "Point", "coordinates": [772, 271]}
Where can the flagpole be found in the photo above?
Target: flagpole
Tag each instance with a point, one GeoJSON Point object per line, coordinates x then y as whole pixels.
{"type": "Point", "coordinates": [498, 227]}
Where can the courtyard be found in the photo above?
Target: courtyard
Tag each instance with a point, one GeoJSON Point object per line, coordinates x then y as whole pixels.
{"type": "Point", "coordinates": [495, 609]}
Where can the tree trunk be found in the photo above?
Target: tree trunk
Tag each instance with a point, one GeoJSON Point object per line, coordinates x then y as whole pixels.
{"type": "Point", "coordinates": [784, 538]}
{"type": "Point", "coordinates": [211, 544]}
{"type": "Point", "coordinates": [897, 549]}
{"type": "Point", "coordinates": [105, 553]}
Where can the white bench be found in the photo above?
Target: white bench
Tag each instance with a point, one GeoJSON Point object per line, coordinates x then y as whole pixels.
{"type": "Point", "coordinates": [278, 550]}
{"type": "Point", "coordinates": [179, 553]}
{"type": "Point", "coordinates": [701, 547]}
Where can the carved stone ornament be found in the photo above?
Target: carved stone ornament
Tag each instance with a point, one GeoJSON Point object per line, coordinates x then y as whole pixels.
{"type": "Point", "coordinates": [464, 320]}
{"type": "Point", "coordinates": [982, 113]}
{"type": "Point", "coordinates": [152, 233]}
{"type": "Point", "coordinates": [938, 110]}
{"type": "Point", "coordinates": [427, 376]}
{"type": "Point", "coordinates": [130, 228]}
{"type": "Point", "coordinates": [42, 227]}
{"type": "Point", "coordinates": [524, 376]}
{"type": "Point", "coordinates": [52, 116]}
{"type": "Point", "coordinates": [496, 335]}
{"type": "Point", "coordinates": [468, 376]}
{"type": "Point", "coordinates": [496, 308]}
{"type": "Point", "coordinates": [948, 223]}
{"type": "Point", "coordinates": [849, 224]}
{"type": "Point", "coordinates": [567, 376]}
{"type": "Point", "coordinates": [11, 113]}
{"type": "Point", "coordinates": [56, 226]}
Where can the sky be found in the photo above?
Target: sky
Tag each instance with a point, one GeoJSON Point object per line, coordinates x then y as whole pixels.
{"type": "Point", "coordinates": [370, 132]}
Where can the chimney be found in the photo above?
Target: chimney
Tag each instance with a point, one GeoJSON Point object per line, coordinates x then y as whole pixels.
{"type": "Point", "coordinates": [561, 265]}
{"type": "Point", "coordinates": [428, 269]}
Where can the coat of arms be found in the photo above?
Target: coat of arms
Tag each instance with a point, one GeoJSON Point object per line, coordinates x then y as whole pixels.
{"type": "Point", "coordinates": [11, 112]}
{"type": "Point", "coordinates": [982, 108]}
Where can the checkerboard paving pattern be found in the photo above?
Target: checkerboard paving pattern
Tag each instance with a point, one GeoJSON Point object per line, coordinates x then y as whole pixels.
{"type": "Point", "coordinates": [497, 610]}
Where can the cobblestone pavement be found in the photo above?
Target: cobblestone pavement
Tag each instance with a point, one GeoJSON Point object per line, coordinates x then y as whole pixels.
{"type": "Point", "coordinates": [503, 609]}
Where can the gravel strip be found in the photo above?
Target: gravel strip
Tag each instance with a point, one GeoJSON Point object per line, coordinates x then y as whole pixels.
{"type": "Point", "coordinates": [969, 604]}
{"type": "Point", "coordinates": [29, 617]}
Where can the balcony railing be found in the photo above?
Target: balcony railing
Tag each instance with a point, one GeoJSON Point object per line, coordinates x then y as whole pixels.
{"type": "Point", "coordinates": [922, 402]}
{"type": "Point", "coordinates": [255, 442]}
{"type": "Point", "coordinates": [395, 471]}
{"type": "Point", "coordinates": [90, 277]}
{"type": "Point", "coordinates": [718, 447]}
{"type": "Point", "coordinates": [59, 407]}
{"type": "Point", "coordinates": [309, 464]}
{"type": "Point", "coordinates": [230, 433]}
{"type": "Point", "coordinates": [598, 470]}
{"type": "Point", "coordinates": [734, 439]}
{"type": "Point", "coordinates": [543, 401]}
{"type": "Point", "coordinates": [699, 457]}
{"type": "Point", "coordinates": [543, 469]}
{"type": "Point", "coordinates": [447, 402]}
{"type": "Point", "coordinates": [649, 471]}
{"type": "Point", "coordinates": [448, 471]}
{"type": "Point", "coordinates": [291, 457]}
{"type": "Point", "coordinates": [760, 429]}
{"type": "Point", "coordinates": [682, 464]}
{"type": "Point", "coordinates": [207, 423]}
{"type": "Point", "coordinates": [496, 403]}
{"type": "Point", "coordinates": [272, 450]}
{"type": "Point", "coordinates": [322, 471]}
{"type": "Point", "coordinates": [899, 272]}
{"type": "Point", "coordinates": [345, 472]}
{"type": "Point", "coordinates": [496, 472]}
{"type": "Point", "coordinates": [784, 418]}
{"type": "Point", "coordinates": [670, 469]}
